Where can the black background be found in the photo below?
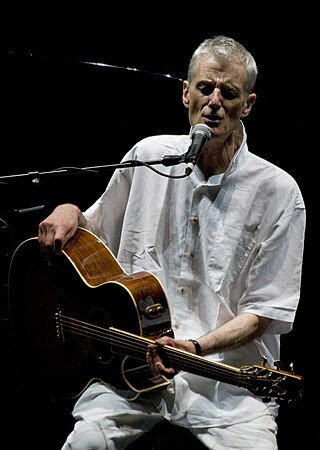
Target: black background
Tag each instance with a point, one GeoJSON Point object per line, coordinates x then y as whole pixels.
{"type": "Point", "coordinates": [69, 97]}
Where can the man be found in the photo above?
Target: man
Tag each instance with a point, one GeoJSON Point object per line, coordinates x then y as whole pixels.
{"type": "Point", "coordinates": [226, 242]}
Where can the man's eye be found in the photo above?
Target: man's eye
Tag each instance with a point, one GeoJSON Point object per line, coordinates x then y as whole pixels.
{"type": "Point", "coordinates": [206, 90]}
{"type": "Point", "coordinates": [229, 94]}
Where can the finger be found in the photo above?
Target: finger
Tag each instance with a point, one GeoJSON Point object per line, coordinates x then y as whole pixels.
{"type": "Point", "coordinates": [58, 246]}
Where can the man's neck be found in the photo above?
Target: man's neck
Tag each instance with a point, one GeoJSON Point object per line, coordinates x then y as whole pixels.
{"type": "Point", "coordinates": [215, 159]}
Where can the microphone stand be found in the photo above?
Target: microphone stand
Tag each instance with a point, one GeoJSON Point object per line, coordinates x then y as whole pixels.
{"type": "Point", "coordinates": [35, 177]}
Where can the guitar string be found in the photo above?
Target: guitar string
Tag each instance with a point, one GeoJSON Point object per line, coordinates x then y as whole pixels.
{"type": "Point", "coordinates": [138, 346]}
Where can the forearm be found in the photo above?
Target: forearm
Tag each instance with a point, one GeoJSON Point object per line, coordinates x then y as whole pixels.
{"type": "Point", "coordinates": [237, 332]}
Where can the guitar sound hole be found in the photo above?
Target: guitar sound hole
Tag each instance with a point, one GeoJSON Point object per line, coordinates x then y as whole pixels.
{"type": "Point", "coordinates": [100, 336]}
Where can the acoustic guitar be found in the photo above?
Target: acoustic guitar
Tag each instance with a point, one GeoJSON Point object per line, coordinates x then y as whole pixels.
{"type": "Point", "coordinates": [79, 317]}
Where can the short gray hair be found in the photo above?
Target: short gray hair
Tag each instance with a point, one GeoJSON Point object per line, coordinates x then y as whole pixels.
{"type": "Point", "coordinates": [229, 49]}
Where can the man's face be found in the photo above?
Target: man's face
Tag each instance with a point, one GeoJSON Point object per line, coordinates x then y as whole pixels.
{"type": "Point", "coordinates": [216, 95]}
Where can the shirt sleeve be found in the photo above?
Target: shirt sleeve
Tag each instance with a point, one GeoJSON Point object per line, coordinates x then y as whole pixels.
{"type": "Point", "coordinates": [274, 281]}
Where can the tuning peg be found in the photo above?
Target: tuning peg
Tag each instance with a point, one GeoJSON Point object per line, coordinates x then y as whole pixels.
{"type": "Point", "coordinates": [278, 364]}
{"type": "Point", "coordinates": [264, 361]}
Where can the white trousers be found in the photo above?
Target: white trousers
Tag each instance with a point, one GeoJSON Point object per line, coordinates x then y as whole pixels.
{"type": "Point", "coordinates": [107, 421]}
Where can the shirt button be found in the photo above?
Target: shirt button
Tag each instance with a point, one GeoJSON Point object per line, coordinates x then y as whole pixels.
{"type": "Point", "coordinates": [195, 219]}
{"type": "Point", "coordinates": [189, 255]}
{"type": "Point", "coordinates": [182, 290]}
{"type": "Point", "coordinates": [177, 325]}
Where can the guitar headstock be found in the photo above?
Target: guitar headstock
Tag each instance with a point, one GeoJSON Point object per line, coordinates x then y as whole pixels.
{"type": "Point", "coordinates": [271, 383]}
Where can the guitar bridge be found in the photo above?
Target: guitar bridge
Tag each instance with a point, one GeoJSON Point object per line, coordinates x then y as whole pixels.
{"type": "Point", "coordinates": [59, 328]}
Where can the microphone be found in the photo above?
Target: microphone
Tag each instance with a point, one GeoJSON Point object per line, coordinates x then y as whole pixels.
{"type": "Point", "coordinates": [200, 135]}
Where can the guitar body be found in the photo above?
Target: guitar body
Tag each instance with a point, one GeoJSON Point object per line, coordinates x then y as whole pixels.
{"type": "Point", "coordinates": [59, 312]}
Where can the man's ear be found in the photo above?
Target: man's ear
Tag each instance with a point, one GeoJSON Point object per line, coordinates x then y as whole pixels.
{"type": "Point", "coordinates": [185, 93]}
{"type": "Point", "coordinates": [248, 105]}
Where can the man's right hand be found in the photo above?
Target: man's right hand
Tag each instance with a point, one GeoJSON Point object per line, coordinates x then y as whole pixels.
{"type": "Point", "coordinates": [58, 228]}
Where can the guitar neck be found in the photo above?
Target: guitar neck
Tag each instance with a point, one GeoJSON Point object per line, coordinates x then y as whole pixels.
{"type": "Point", "coordinates": [260, 380]}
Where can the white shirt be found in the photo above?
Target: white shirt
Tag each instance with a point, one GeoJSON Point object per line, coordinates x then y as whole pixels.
{"type": "Point", "coordinates": [220, 247]}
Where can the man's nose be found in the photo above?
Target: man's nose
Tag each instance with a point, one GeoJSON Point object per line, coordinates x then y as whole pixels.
{"type": "Point", "coordinates": [215, 97]}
